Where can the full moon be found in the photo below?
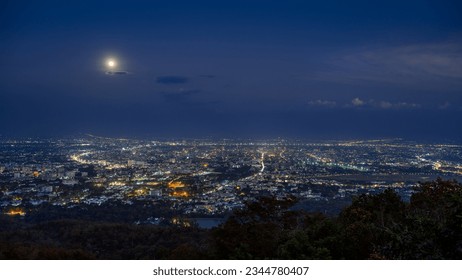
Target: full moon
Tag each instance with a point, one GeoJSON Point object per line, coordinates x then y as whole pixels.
{"type": "Point", "coordinates": [111, 63]}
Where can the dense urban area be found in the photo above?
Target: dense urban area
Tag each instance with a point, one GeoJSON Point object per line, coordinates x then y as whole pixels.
{"type": "Point", "coordinates": [103, 198]}
{"type": "Point", "coordinates": [185, 181]}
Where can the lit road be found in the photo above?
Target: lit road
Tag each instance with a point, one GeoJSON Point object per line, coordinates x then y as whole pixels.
{"type": "Point", "coordinates": [262, 162]}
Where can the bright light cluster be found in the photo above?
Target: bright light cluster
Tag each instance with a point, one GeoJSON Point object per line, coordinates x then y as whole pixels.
{"type": "Point", "coordinates": [111, 63]}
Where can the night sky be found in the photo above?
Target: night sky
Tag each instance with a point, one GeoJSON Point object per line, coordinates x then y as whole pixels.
{"type": "Point", "coordinates": [201, 69]}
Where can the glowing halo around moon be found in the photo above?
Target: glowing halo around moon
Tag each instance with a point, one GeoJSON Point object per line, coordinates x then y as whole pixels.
{"type": "Point", "coordinates": [111, 63]}
{"type": "Point", "coordinates": [112, 67]}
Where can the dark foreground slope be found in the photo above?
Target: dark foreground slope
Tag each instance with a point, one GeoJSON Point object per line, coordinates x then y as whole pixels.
{"type": "Point", "coordinates": [373, 227]}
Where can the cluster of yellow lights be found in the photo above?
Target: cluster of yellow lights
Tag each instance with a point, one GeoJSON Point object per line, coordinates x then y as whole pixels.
{"type": "Point", "coordinates": [117, 184]}
{"type": "Point", "coordinates": [180, 194]}
{"type": "Point", "coordinates": [16, 212]}
{"type": "Point", "coordinates": [446, 168]}
{"type": "Point", "coordinates": [437, 165]}
{"type": "Point", "coordinates": [176, 184]}
{"type": "Point", "coordinates": [105, 163]}
{"type": "Point", "coordinates": [140, 191]}
{"type": "Point", "coordinates": [181, 222]}
{"type": "Point", "coordinates": [114, 166]}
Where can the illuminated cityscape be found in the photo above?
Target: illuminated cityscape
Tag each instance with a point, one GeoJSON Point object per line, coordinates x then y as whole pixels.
{"type": "Point", "coordinates": [230, 130]}
{"type": "Point", "coordinates": [162, 181]}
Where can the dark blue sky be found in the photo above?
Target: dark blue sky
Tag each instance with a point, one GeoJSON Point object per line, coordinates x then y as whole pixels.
{"type": "Point", "coordinates": [304, 69]}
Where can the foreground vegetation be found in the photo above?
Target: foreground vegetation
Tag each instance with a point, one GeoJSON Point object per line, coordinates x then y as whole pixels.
{"type": "Point", "coordinates": [378, 226]}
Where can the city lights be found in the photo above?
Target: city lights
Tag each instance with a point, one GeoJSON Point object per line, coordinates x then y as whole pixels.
{"type": "Point", "coordinates": [201, 177]}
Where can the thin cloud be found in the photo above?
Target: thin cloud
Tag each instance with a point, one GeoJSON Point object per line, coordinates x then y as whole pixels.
{"type": "Point", "coordinates": [399, 105]}
{"type": "Point", "coordinates": [116, 73]}
{"type": "Point", "coordinates": [444, 106]}
{"type": "Point", "coordinates": [385, 105]}
{"type": "Point", "coordinates": [381, 104]}
{"type": "Point", "coordinates": [418, 66]}
{"type": "Point", "coordinates": [364, 104]}
{"type": "Point", "coordinates": [357, 102]}
{"type": "Point", "coordinates": [322, 103]}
